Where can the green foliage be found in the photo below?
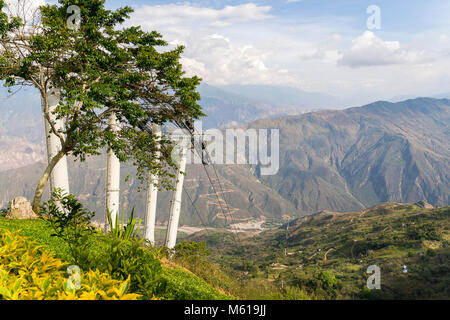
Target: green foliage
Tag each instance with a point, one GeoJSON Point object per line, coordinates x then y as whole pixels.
{"type": "Point", "coordinates": [431, 252]}
{"type": "Point", "coordinates": [122, 231]}
{"type": "Point", "coordinates": [368, 294]}
{"type": "Point", "coordinates": [320, 285]}
{"type": "Point", "coordinates": [182, 285]}
{"type": "Point", "coordinates": [423, 232]}
{"type": "Point", "coordinates": [193, 256]}
{"type": "Point", "coordinates": [328, 258]}
{"type": "Point", "coordinates": [40, 231]}
{"type": "Point", "coordinates": [70, 222]}
{"type": "Point", "coordinates": [191, 249]}
{"type": "Point", "coordinates": [328, 280]}
{"type": "Point", "coordinates": [27, 271]}
{"type": "Point", "coordinates": [122, 258]}
{"type": "Point", "coordinates": [148, 277]}
{"type": "Point", "coordinates": [102, 68]}
{"type": "Point", "coordinates": [295, 293]}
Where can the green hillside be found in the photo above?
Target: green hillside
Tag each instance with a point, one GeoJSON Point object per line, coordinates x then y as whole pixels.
{"type": "Point", "coordinates": [341, 246]}
{"type": "Point", "coordinates": [170, 280]}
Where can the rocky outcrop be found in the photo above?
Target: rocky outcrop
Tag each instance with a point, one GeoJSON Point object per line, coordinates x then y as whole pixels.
{"type": "Point", "coordinates": [424, 204]}
{"type": "Point", "coordinates": [20, 208]}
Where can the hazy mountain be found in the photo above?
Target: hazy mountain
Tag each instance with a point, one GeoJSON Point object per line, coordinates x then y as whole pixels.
{"type": "Point", "coordinates": [287, 96]}
{"type": "Point", "coordinates": [338, 160]}
{"type": "Point", "coordinates": [238, 104]}
{"type": "Point", "coordinates": [355, 158]}
{"type": "Point", "coordinates": [245, 195]}
{"type": "Point", "coordinates": [20, 115]}
{"type": "Point", "coordinates": [21, 128]}
{"type": "Point", "coordinates": [443, 96]}
{"type": "Point", "coordinates": [409, 97]}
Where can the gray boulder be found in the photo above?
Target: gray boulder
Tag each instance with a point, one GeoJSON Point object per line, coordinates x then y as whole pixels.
{"type": "Point", "coordinates": [20, 208]}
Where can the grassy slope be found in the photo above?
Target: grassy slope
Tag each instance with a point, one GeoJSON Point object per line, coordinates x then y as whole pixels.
{"type": "Point", "coordinates": [388, 235]}
{"type": "Point", "coordinates": [38, 231]}
{"type": "Point", "coordinates": [181, 283]}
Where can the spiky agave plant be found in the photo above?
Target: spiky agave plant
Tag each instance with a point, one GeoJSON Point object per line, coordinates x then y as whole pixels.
{"type": "Point", "coordinates": [121, 231]}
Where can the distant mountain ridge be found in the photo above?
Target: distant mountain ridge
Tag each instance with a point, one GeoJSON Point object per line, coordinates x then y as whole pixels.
{"type": "Point", "coordinates": [355, 158]}
{"type": "Point", "coordinates": [21, 126]}
{"type": "Point", "coordinates": [247, 198]}
{"type": "Point", "coordinates": [238, 104]}
{"type": "Point", "coordinates": [21, 129]}
{"type": "Point", "coordinates": [337, 160]}
{"type": "Point", "coordinates": [288, 96]}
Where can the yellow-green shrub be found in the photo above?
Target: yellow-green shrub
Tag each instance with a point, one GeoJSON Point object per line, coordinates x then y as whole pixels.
{"type": "Point", "coordinates": [27, 271]}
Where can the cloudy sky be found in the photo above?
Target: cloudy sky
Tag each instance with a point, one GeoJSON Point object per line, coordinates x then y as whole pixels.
{"type": "Point", "coordinates": [316, 45]}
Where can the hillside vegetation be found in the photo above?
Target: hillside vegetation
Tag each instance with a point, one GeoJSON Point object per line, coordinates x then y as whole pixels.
{"type": "Point", "coordinates": [323, 256]}
{"type": "Point", "coordinates": [327, 254]}
{"type": "Point", "coordinates": [122, 269]}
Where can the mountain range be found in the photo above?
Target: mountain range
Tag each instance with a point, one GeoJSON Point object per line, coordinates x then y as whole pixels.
{"type": "Point", "coordinates": [355, 158]}
{"type": "Point", "coordinates": [337, 160]}
{"type": "Point", "coordinates": [21, 133]}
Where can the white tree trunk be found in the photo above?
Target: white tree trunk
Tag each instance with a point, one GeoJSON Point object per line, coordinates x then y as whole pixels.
{"type": "Point", "coordinates": [172, 229]}
{"type": "Point", "coordinates": [112, 177]}
{"type": "Point", "coordinates": [59, 177]}
{"type": "Point", "coordinates": [152, 194]}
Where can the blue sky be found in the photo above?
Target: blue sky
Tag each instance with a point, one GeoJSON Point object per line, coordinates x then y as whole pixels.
{"type": "Point", "coordinates": [315, 45]}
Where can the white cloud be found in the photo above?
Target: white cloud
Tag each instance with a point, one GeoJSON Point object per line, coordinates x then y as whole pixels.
{"type": "Point", "coordinates": [218, 61]}
{"type": "Point", "coordinates": [212, 52]}
{"type": "Point", "coordinates": [172, 14]}
{"type": "Point", "coordinates": [306, 54]}
{"type": "Point", "coordinates": [27, 10]}
{"type": "Point", "coordinates": [325, 51]}
{"type": "Point", "coordinates": [369, 50]}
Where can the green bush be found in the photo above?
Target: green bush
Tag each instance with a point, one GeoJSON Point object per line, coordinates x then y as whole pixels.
{"type": "Point", "coordinates": [328, 280]}
{"type": "Point", "coordinates": [295, 293]}
{"type": "Point", "coordinates": [193, 256]}
{"type": "Point", "coordinates": [191, 249]}
{"type": "Point", "coordinates": [39, 231]}
{"type": "Point", "coordinates": [424, 232]}
{"type": "Point", "coordinates": [122, 258]}
{"type": "Point", "coordinates": [322, 285]}
{"type": "Point", "coordinates": [70, 222]}
{"type": "Point", "coordinates": [181, 285]}
{"type": "Point", "coordinates": [28, 272]}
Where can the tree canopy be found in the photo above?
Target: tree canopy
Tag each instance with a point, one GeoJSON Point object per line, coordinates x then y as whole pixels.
{"type": "Point", "coordinates": [99, 68]}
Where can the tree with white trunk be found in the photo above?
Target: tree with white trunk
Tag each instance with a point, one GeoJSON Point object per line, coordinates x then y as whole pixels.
{"type": "Point", "coordinates": [112, 175]}
{"type": "Point", "coordinates": [101, 71]}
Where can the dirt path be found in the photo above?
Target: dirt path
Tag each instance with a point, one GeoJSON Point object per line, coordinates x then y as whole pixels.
{"type": "Point", "coordinates": [325, 256]}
